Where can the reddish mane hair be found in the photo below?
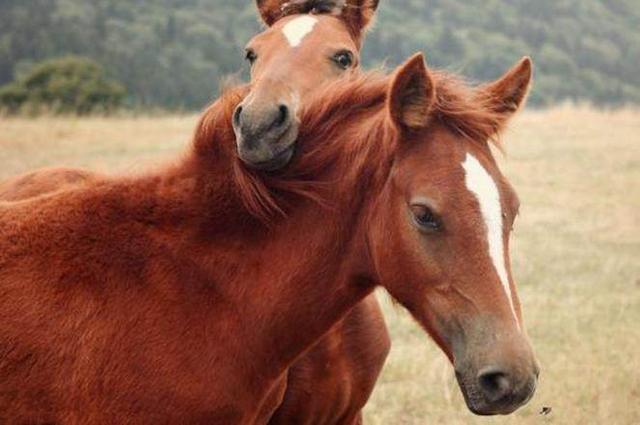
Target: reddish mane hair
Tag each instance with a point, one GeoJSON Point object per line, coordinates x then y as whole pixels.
{"type": "Point", "coordinates": [327, 135]}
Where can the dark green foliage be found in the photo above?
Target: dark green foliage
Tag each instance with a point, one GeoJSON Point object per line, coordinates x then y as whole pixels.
{"type": "Point", "coordinates": [12, 97]}
{"type": "Point", "coordinates": [585, 50]}
{"type": "Point", "coordinates": [173, 53]}
{"type": "Point", "coordinates": [66, 85]}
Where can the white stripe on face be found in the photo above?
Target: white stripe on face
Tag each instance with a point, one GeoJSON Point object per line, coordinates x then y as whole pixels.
{"type": "Point", "coordinates": [298, 28]}
{"type": "Point", "coordinates": [482, 185]}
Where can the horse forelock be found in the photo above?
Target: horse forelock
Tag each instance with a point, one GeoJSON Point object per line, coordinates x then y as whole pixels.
{"type": "Point", "coordinates": [466, 113]}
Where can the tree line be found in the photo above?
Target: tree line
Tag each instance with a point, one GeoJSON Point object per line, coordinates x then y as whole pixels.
{"type": "Point", "coordinates": [174, 53]}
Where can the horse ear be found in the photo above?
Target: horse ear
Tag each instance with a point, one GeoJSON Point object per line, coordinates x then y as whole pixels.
{"type": "Point", "coordinates": [412, 94]}
{"type": "Point", "coordinates": [270, 10]}
{"type": "Point", "coordinates": [508, 93]}
{"type": "Point", "coordinates": [359, 14]}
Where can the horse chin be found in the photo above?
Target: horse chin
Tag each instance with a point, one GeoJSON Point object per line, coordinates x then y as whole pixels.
{"type": "Point", "coordinates": [282, 152]}
{"type": "Point", "coordinates": [278, 162]}
{"type": "Point", "coordinates": [473, 398]}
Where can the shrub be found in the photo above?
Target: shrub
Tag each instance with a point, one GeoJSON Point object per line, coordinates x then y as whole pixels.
{"type": "Point", "coordinates": [66, 85]}
{"type": "Point", "coordinates": [12, 97]}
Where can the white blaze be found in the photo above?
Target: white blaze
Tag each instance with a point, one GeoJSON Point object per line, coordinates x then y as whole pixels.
{"type": "Point", "coordinates": [298, 28]}
{"type": "Point", "coordinates": [482, 185]}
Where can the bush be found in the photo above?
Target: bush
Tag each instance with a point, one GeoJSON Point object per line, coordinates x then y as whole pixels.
{"type": "Point", "coordinates": [67, 85]}
{"type": "Point", "coordinates": [12, 97]}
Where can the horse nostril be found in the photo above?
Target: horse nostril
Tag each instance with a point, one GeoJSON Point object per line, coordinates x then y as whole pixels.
{"type": "Point", "coordinates": [236, 115]}
{"type": "Point", "coordinates": [494, 383]}
{"type": "Point", "coordinates": [283, 115]}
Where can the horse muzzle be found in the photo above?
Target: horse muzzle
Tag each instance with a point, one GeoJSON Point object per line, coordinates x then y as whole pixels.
{"type": "Point", "coordinates": [265, 137]}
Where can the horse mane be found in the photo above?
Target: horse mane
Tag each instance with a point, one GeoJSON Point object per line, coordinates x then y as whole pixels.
{"type": "Point", "coordinates": [329, 139]}
{"type": "Point", "coordinates": [344, 124]}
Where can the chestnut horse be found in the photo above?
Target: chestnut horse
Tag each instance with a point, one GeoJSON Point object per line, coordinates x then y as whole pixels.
{"type": "Point", "coordinates": [162, 298]}
{"type": "Point", "coordinates": [335, 378]}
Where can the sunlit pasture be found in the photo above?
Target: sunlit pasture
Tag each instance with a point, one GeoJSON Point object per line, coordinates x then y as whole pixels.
{"type": "Point", "coordinates": [576, 252]}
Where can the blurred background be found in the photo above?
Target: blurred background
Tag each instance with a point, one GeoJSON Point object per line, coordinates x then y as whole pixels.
{"type": "Point", "coordinates": [573, 156]}
{"type": "Point", "coordinates": [584, 50]}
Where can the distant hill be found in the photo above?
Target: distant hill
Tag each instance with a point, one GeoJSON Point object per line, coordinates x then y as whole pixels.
{"type": "Point", "coordinates": [173, 53]}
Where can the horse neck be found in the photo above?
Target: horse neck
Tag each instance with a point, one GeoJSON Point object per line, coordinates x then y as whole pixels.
{"type": "Point", "coordinates": [283, 284]}
{"type": "Point", "coordinates": [299, 276]}
{"type": "Point", "coordinates": [199, 193]}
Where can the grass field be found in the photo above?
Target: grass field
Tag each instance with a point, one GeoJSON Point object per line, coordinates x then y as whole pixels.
{"type": "Point", "coordinates": [576, 253]}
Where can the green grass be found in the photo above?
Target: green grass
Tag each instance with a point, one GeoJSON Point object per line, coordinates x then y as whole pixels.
{"type": "Point", "coordinates": [576, 252]}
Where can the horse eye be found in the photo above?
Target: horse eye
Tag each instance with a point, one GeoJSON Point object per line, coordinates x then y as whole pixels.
{"type": "Point", "coordinates": [425, 218]}
{"type": "Point", "coordinates": [344, 59]}
{"type": "Point", "coordinates": [251, 56]}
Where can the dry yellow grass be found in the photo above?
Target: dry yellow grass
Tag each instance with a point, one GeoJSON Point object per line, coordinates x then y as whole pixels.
{"type": "Point", "coordinates": [576, 257]}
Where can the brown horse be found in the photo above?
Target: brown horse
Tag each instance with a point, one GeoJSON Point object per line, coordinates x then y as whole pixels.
{"type": "Point", "coordinates": [336, 377]}
{"type": "Point", "coordinates": [163, 298]}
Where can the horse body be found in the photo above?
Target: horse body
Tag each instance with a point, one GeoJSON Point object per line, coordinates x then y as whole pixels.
{"type": "Point", "coordinates": [126, 312]}
{"type": "Point", "coordinates": [332, 381]}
